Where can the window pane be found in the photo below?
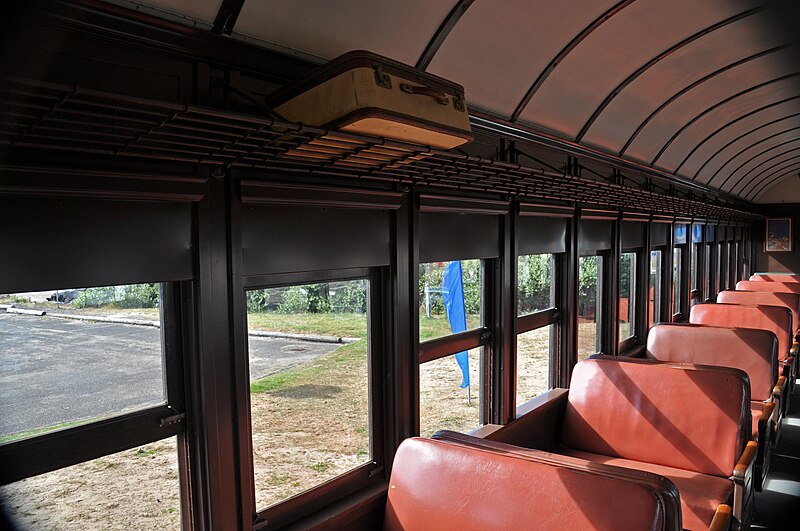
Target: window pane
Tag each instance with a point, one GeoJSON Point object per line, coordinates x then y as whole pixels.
{"type": "Point", "coordinates": [433, 317]}
{"type": "Point", "coordinates": [589, 304]}
{"type": "Point", "coordinates": [693, 273]}
{"type": "Point", "coordinates": [654, 298]}
{"type": "Point", "coordinates": [627, 294]}
{"type": "Point", "coordinates": [534, 283]}
{"type": "Point", "coordinates": [309, 385]}
{"type": "Point", "coordinates": [722, 267]}
{"type": "Point", "coordinates": [709, 289]}
{"type": "Point", "coordinates": [534, 355]}
{"type": "Point", "coordinates": [133, 489]}
{"type": "Point", "coordinates": [73, 356]}
{"type": "Point", "coordinates": [677, 277]}
{"type": "Point", "coordinates": [443, 403]}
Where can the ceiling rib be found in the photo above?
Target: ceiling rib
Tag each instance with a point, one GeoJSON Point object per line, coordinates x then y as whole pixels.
{"type": "Point", "coordinates": [772, 178]}
{"type": "Point", "coordinates": [226, 16]}
{"type": "Point", "coordinates": [767, 185]}
{"type": "Point", "coordinates": [741, 152]}
{"type": "Point", "coordinates": [716, 106]}
{"type": "Point", "coordinates": [441, 34]}
{"type": "Point", "coordinates": [754, 168]}
{"type": "Point", "coordinates": [655, 60]}
{"type": "Point", "coordinates": [747, 133]}
{"type": "Point", "coordinates": [753, 183]}
{"type": "Point", "coordinates": [692, 86]}
{"type": "Point", "coordinates": [729, 124]}
{"type": "Point", "coordinates": [596, 23]}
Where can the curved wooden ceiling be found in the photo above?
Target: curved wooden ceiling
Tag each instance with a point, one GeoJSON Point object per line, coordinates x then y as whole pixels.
{"type": "Point", "coordinates": [707, 91]}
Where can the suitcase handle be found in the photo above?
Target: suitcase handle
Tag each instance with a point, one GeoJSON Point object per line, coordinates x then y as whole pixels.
{"type": "Point", "coordinates": [438, 95]}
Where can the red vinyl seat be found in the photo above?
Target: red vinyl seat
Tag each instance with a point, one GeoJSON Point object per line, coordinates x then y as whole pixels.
{"type": "Point", "coordinates": [751, 350]}
{"type": "Point", "coordinates": [765, 298]}
{"type": "Point", "coordinates": [775, 277]}
{"type": "Point", "coordinates": [436, 484]}
{"type": "Point", "coordinates": [776, 319]}
{"type": "Point", "coordinates": [688, 423]}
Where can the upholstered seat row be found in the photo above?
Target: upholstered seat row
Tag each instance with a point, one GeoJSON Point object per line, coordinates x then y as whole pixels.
{"type": "Point", "coordinates": [688, 426]}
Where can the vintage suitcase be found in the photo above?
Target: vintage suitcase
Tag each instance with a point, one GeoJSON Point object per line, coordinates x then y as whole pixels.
{"type": "Point", "coordinates": [365, 93]}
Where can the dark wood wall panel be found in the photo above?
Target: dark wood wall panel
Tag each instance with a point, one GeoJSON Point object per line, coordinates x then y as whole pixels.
{"type": "Point", "coordinates": [283, 238]}
{"type": "Point", "coordinates": [57, 243]}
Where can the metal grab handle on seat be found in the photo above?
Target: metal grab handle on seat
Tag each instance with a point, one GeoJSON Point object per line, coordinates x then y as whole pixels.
{"type": "Point", "coordinates": [438, 95]}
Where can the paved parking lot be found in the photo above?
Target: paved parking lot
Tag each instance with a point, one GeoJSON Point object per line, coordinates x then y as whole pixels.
{"type": "Point", "coordinates": [55, 371]}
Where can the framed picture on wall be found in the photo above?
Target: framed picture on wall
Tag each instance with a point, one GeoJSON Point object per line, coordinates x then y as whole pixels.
{"type": "Point", "coordinates": [778, 237]}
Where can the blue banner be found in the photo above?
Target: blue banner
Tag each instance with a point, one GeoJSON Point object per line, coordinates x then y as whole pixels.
{"type": "Point", "coordinates": [453, 293]}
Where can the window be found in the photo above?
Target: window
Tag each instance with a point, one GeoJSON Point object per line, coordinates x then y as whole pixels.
{"type": "Point", "coordinates": [310, 385]}
{"type": "Point", "coordinates": [535, 325]}
{"type": "Point", "coordinates": [707, 281]}
{"type": "Point", "coordinates": [654, 298]}
{"type": "Point", "coordinates": [534, 359]}
{"type": "Point", "coordinates": [677, 279]}
{"type": "Point", "coordinates": [134, 489]}
{"type": "Point", "coordinates": [434, 281]}
{"type": "Point", "coordinates": [93, 369]}
{"type": "Point", "coordinates": [534, 283]}
{"type": "Point", "coordinates": [694, 274]}
{"type": "Point", "coordinates": [73, 356]}
{"type": "Point", "coordinates": [451, 302]}
{"type": "Point", "coordinates": [627, 295]}
{"type": "Point", "coordinates": [722, 267]}
{"type": "Point", "coordinates": [590, 289]}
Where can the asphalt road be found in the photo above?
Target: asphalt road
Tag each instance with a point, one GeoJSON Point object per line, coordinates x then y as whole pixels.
{"type": "Point", "coordinates": [55, 371]}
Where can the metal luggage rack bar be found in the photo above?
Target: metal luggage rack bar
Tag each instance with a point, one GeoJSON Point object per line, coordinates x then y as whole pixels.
{"type": "Point", "coordinates": [38, 115]}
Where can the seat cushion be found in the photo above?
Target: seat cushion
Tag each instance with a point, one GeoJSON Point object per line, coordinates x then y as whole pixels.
{"type": "Point", "coordinates": [700, 494]}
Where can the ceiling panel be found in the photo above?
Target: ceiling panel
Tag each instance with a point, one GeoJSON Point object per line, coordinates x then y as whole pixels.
{"type": "Point", "coordinates": [614, 51]}
{"type": "Point", "coordinates": [649, 142]}
{"type": "Point", "coordinates": [718, 172]}
{"type": "Point", "coordinates": [497, 54]}
{"type": "Point", "coordinates": [327, 29]}
{"type": "Point", "coordinates": [676, 72]}
{"type": "Point", "coordinates": [746, 177]}
{"type": "Point", "coordinates": [788, 173]}
{"type": "Point", "coordinates": [786, 190]}
{"type": "Point", "coordinates": [704, 152]}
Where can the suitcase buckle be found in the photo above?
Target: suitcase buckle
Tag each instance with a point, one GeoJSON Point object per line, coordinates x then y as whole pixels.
{"type": "Point", "coordinates": [382, 79]}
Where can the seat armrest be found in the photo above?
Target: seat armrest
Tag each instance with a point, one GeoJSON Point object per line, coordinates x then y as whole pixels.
{"type": "Point", "coordinates": [722, 519]}
{"type": "Point", "coordinates": [777, 391]}
{"type": "Point", "coordinates": [743, 485]}
{"type": "Point", "coordinates": [793, 350]}
{"type": "Point", "coordinates": [769, 415]}
{"type": "Point", "coordinates": [744, 467]}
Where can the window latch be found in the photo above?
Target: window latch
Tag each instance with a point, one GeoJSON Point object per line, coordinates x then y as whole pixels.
{"type": "Point", "coordinates": [170, 420]}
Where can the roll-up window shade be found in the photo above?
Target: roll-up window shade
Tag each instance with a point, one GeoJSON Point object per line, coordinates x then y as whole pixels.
{"type": "Point", "coordinates": [659, 234]}
{"type": "Point", "coordinates": [282, 239]}
{"type": "Point", "coordinates": [711, 233]}
{"type": "Point", "coordinates": [632, 234]}
{"type": "Point", "coordinates": [595, 235]}
{"type": "Point", "coordinates": [57, 243]}
{"type": "Point", "coordinates": [541, 235]}
{"type": "Point", "coordinates": [451, 236]}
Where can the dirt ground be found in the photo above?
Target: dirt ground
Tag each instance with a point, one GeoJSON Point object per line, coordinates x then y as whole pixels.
{"type": "Point", "coordinates": [139, 489]}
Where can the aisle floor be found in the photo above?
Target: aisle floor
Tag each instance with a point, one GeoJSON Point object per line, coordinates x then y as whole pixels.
{"type": "Point", "coordinates": [777, 507]}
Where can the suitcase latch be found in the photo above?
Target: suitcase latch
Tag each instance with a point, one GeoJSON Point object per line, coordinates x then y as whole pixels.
{"type": "Point", "coordinates": [458, 102]}
{"type": "Point", "coordinates": [382, 79]}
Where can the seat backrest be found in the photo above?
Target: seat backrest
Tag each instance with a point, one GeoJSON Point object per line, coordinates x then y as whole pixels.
{"type": "Point", "coordinates": [779, 287]}
{"type": "Point", "coordinates": [442, 485]}
{"type": "Point", "coordinates": [693, 417]}
{"type": "Point", "coordinates": [766, 298]}
{"type": "Point", "coordinates": [751, 350]}
{"type": "Point", "coordinates": [776, 319]}
{"type": "Point", "coordinates": [775, 277]}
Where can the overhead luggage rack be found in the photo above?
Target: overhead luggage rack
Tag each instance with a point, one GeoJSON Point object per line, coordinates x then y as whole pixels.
{"type": "Point", "coordinates": [42, 116]}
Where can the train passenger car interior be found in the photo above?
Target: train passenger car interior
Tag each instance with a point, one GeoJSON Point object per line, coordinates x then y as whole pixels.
{"type": "Point", "coordinates": [451, 264]}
